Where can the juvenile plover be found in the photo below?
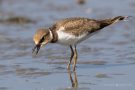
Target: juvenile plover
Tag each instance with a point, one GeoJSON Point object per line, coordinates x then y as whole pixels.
{"type": "Point", "coordinates": [71, 31]}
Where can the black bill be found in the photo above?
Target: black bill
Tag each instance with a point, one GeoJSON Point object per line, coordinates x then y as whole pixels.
{"type": "Point", "coordinates": [36, 49]}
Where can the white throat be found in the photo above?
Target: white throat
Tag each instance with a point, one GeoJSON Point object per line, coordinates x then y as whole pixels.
{"type": "Point", "coordinates": [51, 35]}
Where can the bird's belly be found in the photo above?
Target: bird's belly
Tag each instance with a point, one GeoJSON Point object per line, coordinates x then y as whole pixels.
{"type": "Point", "coordinates": [70, 39]}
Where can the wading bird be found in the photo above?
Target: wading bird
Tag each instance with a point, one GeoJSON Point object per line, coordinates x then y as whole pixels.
{"type": "Point", "coordinates": [71, 31]}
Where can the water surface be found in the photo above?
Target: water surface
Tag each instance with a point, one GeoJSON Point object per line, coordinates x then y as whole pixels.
{"type": "Point", "coordinates": [106, 60]}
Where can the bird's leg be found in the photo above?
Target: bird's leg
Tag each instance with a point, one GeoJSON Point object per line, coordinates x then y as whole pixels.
{"type": "Point", "coordinates": [75, 58]}
{"type": "Point", "coordinates": [71, 57]}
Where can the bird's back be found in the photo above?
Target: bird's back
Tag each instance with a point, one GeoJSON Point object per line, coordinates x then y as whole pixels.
{"type": "Point", "coordinates": [77, 25]}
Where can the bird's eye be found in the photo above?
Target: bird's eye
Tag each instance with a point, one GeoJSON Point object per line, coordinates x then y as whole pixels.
{"type": "Point", "coordinates": [42, 39]}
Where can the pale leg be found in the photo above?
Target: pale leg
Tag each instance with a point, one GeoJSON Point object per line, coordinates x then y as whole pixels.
{"type": "Point", "coordinates": [71, 57]}
{"type": "Point", "coordinates": [75, 58]}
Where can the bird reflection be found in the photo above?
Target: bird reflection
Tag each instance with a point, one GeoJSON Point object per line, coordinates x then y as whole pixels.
{"type": "Point", "coordinates": [73, 78]}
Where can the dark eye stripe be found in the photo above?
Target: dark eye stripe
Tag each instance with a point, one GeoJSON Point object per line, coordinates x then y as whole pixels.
{"type": "Point", "coordinates": [42, 39]}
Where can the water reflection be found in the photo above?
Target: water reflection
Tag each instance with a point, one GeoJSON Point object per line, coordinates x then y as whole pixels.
{"type": "Point", "coordinates": [73, 78]}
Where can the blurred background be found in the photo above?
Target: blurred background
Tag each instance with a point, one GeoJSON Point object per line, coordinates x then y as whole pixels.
{"type": "Point", "coordinates": [106, 60]}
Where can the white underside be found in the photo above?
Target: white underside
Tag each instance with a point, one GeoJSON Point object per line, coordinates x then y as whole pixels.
{"type": "Point", "coordinates": [70, 39]}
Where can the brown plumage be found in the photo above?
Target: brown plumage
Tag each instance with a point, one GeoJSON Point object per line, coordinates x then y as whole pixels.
{"type": "Point", "coordinates": [71, 31]}
{"type": "Point", "coordinates": [79, 25]}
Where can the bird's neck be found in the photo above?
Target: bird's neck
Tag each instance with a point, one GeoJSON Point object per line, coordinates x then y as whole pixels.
{"type": "Point", "coordinates": [53, 36]}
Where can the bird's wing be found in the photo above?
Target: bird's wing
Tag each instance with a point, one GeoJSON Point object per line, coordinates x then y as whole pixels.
{"type": "Point", "coordinates": [78, 26]}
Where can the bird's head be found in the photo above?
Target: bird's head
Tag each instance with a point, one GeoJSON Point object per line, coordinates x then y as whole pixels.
{"type": "Point", "coordinates": [41, 38]}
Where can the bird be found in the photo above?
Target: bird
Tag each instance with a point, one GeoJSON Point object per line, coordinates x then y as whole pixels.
{"type": "Point", "coordinates": [70, 32]}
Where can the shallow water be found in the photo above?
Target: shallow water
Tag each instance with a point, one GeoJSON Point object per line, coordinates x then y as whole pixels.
{"type": "Point", "coordinates": [106, 60]}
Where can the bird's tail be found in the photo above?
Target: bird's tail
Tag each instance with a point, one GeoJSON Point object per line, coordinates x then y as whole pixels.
{"type": "Point", "coordinates": [106, 22]}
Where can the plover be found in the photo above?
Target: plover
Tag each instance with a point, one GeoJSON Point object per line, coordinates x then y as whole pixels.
{"type": "Point", "coordinates": [71, 31]}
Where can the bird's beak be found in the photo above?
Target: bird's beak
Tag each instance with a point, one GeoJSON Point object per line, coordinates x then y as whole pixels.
{"type": "Point", "coordinates": [36, 49]}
